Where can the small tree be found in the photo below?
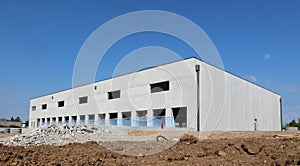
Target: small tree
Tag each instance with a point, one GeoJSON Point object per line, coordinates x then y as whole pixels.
{"type": "Point", "coordinates": [18, 119]}
{"type": "Point", "coordinates": [12, 119]}
{"type": "Point", "coordinates": [293, 123]}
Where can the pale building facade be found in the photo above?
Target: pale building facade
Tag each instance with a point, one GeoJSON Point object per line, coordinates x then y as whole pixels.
{"type": "Point", "coordinates": [165, 95]}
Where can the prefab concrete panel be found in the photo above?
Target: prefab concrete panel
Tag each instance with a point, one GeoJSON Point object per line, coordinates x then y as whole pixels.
{"type": "Point", "coordinates": [227, 102]}
{"type": "Point", "coordinates": [135, 93]}
{"type": "Point", "coordinates": [230, 103]}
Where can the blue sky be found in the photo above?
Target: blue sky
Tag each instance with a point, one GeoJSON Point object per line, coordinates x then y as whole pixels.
{"type": "Point", "coordinates": [40, 40]}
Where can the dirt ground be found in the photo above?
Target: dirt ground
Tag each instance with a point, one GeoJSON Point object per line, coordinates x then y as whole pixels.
{"type": "Point", "coordinates": [231, 148]}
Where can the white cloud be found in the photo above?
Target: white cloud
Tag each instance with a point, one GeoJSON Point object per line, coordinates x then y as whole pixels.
{"type": "Point", "coordinates": [267, 56]}
{"type": "Point", "coordinates": [251, 78]}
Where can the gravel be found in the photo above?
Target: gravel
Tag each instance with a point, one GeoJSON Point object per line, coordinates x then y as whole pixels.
{"type": "Point", "coordinates": [59, 135]}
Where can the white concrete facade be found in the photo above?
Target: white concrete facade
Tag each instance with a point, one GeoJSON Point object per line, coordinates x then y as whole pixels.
{"type": "Point", "coordinates": [227, 102]}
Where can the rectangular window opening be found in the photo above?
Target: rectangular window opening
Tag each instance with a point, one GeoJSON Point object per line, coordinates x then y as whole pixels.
{"type": "Point", "coordinates": [114, 94]}
{"type": "Point", "coordinates": [159, 112]}
{"type": "Point", "coordinates": [141, 114]}
{"type": "Point", "coordinates": [61, 103]}
{"type": "Point", "coordinates": [74, 118]}
{"type": "Point", "coordinates": [44, 106]}
{"type": "Point", "coordinates": [33, 108]}
{"type": "Point", "coordinates": [126, 115]}
{"type": "Point", "coordinates": [83, 100]}
{"type": "Point", "coordinates": [91, 117]}
{"type": "Point", "coordinates": [82, 117]}
{"type": "Point", "coordinates": [160, 86]}
{"type": "Point", "coordinates": [113, 115]}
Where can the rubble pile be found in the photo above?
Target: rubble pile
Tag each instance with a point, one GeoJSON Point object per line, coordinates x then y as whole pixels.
{"type": "Point", "coordinates": [58, 135]}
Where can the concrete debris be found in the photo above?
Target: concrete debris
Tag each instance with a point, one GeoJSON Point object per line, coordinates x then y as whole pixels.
{"type": "Point", "coordinates": [58, 135]}
{"type": "Point", "coordinates": [221, 154]}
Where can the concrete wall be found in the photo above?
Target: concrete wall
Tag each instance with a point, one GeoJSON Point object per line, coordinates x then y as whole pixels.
{"type": "Point", "coordinates": [135, 95]}
{"type": "Point", "coordinates": [10, 123]}
{"type": "Point", "coordinates": [229, 103]}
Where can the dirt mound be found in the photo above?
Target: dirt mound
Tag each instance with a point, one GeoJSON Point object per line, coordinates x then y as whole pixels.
{"type": "Point", "coordinates": [188, 151]}
{"type": "Point", "coordinates": [142, 133]}
{"type": "Point", "coordinates": [189, 139]}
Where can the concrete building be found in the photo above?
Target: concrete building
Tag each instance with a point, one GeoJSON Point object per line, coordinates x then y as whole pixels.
{"type": "Point", "coordinates": [8, 123]}
{"type": "Point", "coordinates": [169, 94]}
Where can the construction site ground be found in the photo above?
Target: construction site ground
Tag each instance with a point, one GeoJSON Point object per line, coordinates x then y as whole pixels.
{"type": "Point", "coordinates": [218, 148]}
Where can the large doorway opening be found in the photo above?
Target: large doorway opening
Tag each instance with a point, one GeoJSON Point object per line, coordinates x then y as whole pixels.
{"type": "Point", "coordinates": [180, 117]}
{"type": "Point", "coordinates": [43, 121]}
{"type": "Point", "coordinates": [91, 119]}
{"type": "Point", "coordinates": [38, 122]}
{"type": "Point", "coordinates": [53, 120]}
{"type": "Point", "coordinates": [101, 119]}
{"type": "Point", "coordinates": [141, 118]}
{"type": "Point", "coordinates": [48, 121]}
{"type": "Point", "coordinates": [60, 120]}
{"type": "Point", "coordinates": [126, 118]}
{"type": "Point", "coordinates": [82, 119]}
{"type": "Point", "coordinates": [73, 119]}
{"type": "Point", "coordinates": [67, 120]}
{"type": "Point", "coordinates": [113, 119]}
{"type": "Point", "coordinates": [159, 117]}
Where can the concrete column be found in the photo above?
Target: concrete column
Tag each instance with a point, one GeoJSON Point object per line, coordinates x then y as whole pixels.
{"type": "Point", "coordinates": [78, 119]}
{"type": "Point", "coordinates": [106, 118]}
{"type": "Point", "coordinates": [149, 117]}
{"type": "Point", "coordinates": [30, 121]}
{"type": "Point", "coordinates": [96, 119]}
{"type": "Point", "coordinates": [86, 119]}
{"type": "Point", "coordinates": [168, 119]}
{"type": "Point", "coordinates": [119, 123]}
{"type": "Point", "coordinates": [133, 118]}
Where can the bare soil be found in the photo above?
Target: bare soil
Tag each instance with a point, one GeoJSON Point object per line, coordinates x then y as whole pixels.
{"type": "Point", "coordinates": [231, 148]}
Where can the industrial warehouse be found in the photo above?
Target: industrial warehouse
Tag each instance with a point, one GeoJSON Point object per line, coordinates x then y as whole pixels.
{"type": "Point", "coordinates": [189, 94]}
